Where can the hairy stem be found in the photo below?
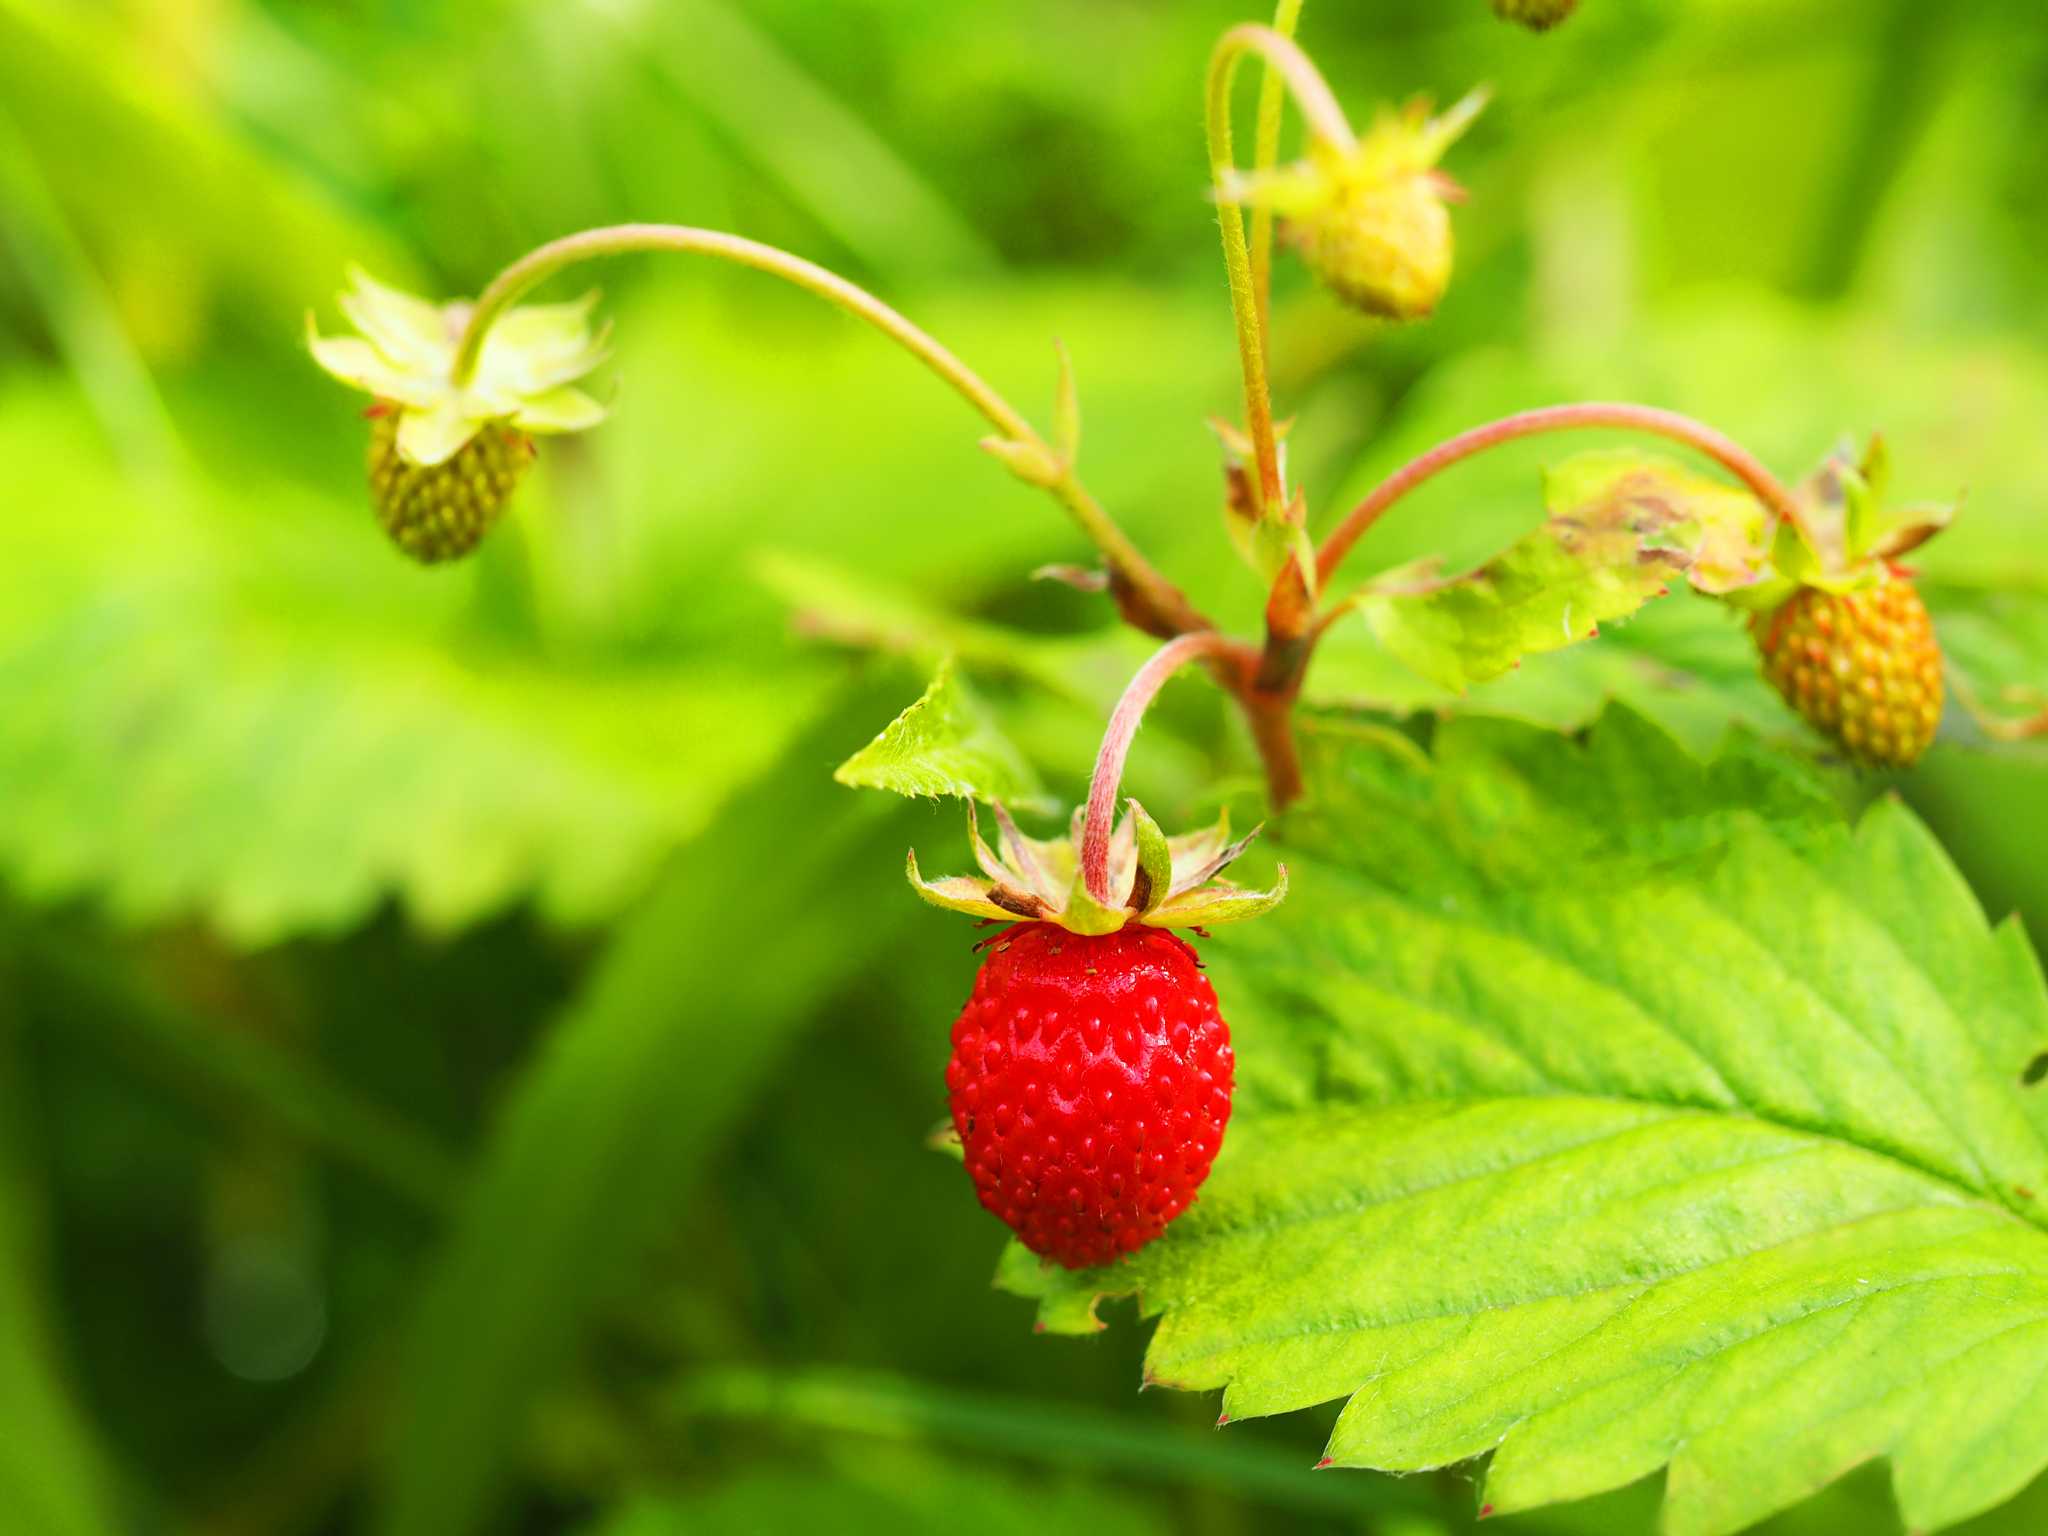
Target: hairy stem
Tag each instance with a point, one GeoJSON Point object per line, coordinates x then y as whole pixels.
{"type": "Point", "coordinates": [1265, 155]}
{"type": "Point", "coordinates": [1117, 739]}
{"type": "Point", "coordinates": [1723, 450]}
{"type": "Point", "coordinates": [1326, 120]}
{"type": "Point", "coordinates": [1145, 597]}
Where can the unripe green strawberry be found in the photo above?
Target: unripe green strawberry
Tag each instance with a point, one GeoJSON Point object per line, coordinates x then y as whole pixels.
{"type": "Point", "coordinates": [1370, 218]}
{"type": "Point", "coordinates": [1862, 666]}
{"type": "Point", "coordinates": [1383, 247]}
{"type": "Point", "coordinates": [442, 511]}
{"type": "Point", "coordinates": [1536, 15]}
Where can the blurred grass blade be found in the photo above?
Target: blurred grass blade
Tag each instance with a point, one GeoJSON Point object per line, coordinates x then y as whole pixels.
{"type": "Point", "coordinates": [215, 1060]}
{"type": "Point", "coordinates": [837, 166]}
{"type": "Point", "coordinates": [144, 170]}
{"type": "Point", "coordinates": [699, 996]}
{"type": "Point", "coordinates": [1058, 1433]}
{"type": "Point", "coordinates": [52, 1480]}
{"type": "Point", "coordinates": [83, 322]}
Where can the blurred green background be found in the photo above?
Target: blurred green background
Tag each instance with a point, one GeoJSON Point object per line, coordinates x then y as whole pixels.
{"type": "Point", "coordinates": [463, 1064]}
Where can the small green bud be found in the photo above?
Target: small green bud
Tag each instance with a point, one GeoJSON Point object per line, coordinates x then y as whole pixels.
{"type": "Point", "coordinates": [1536, 15]}
{"type": "Point", "coordinates": [440, 512]}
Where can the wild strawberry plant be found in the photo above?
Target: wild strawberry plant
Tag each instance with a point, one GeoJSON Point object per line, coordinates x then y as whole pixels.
{"type": "Point", "coordinates": [1583, 1105]}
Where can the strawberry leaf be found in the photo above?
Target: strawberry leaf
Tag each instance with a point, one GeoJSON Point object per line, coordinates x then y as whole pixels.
{"type": "Point", "coordinates": [1621, 530]}
{"type": "Point", "coordinates": [1604, 1111]}
{"type": "Point", "coordinates": [947, 743]}
{"type": "Point", "coordinates": [1684, 661]}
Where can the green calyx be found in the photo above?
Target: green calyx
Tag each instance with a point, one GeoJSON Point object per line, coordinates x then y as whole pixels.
{"type": "Point", "coordinates": [1849, 532]}
{"type": "Point", "coordinates": [1156, 880]}
{"type": "Point", "coordinates": [405, 354]}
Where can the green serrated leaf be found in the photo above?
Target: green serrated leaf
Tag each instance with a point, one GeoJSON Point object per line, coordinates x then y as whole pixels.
{"type": "Point", "coordinates": [1607, 1111]}
{"type": "Point", "coordinates": [153, 728]}
{"type": "Point", "coordinates": [947, 743]}
{"type": "Point", "coordinates": [1622, 529]}
{"type": "Point", "coordinates": [1684, 661]}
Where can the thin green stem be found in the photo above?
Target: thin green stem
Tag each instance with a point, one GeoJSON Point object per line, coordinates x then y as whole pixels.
{"type": "Point", "coordinates": [1265, 155]}
{"type": "Point", "coordinates": [1146, 597]}
{"type": "Point", "coordinates": [1326, 120]}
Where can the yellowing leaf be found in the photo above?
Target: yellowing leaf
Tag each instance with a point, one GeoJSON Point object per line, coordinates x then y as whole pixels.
{"type": "Point", "coordinates": [1621, 530]}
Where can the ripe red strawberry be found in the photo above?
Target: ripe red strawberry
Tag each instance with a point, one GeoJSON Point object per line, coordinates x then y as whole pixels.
{"type": "Point", "coordinates": [1090, 1084]}
{"type": "Point", "coordinates": [1862, 666]}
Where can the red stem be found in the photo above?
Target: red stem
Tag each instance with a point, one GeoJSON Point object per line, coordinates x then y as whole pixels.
{"type": "Point", "coordinates": [1116, 746]}
{"type": "Point", "coordinates": [1725, 451]}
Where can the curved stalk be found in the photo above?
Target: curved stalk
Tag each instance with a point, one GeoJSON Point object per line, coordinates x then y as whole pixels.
{"type": "Point", "coordinates": [1145, 596]}
{"type": "Point", "coordinates": [1723, 450]}
{"type": "Point", "coordinates": [1327, 121]}
{"type": "Point", "coordinates": [1116, 746]}
{"type": "Point", "coordinates": [1265, 155]}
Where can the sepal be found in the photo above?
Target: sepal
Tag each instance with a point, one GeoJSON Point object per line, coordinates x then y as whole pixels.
{"type": "Point", "coordinates": [1847, 533]}
{"type": "Point", "coordinates": [1160, 881]}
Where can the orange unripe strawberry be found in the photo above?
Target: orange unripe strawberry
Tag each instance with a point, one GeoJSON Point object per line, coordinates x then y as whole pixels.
{"type": "Point", "coordinates": [437, 512]}
{"type": "Point", "coordinates": [1863, 667]}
